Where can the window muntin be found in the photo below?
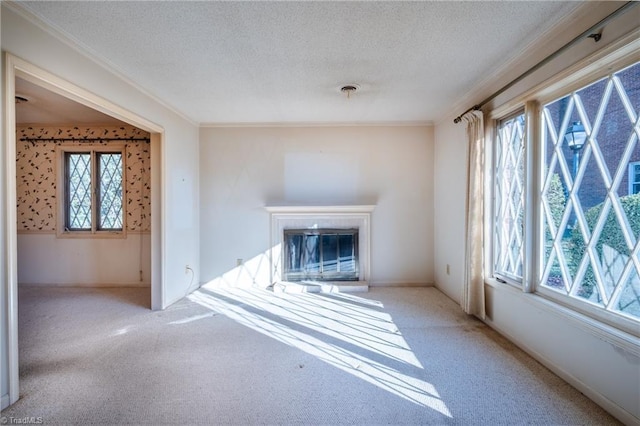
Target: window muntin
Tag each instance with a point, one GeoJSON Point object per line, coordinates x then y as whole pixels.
{"type": "Point", "coordinates": [93, 190]}
{"type": "Point", "coordinates": [509, 169]}
{"type": "Point", "coordinates": [591, 226]}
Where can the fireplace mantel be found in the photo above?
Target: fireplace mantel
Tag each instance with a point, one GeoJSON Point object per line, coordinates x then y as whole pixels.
{"type": "Point", "coordinates": [320, 209]}
{"type": "Point", "coordinates": [311, 217]}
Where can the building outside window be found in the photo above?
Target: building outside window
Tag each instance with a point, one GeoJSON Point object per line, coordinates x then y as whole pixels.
{"type": "Point", "coordinates": [634, 178]}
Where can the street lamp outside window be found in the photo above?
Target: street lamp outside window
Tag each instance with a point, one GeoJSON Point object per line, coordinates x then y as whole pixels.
{"type": "Point", "coordinates": [575, 138]}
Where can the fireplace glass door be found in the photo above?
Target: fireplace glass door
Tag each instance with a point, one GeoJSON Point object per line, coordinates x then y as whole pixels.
{"type": "Point", "coordinates": [321, 254]}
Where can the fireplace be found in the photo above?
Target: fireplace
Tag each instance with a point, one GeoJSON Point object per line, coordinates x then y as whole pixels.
{"type": "Point", "coordinates": [325, 254]}
{"type": "Point", "coordinates": [320, 243]}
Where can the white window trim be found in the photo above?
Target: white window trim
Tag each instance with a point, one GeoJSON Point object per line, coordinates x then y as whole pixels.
{"type": "Point", "coordinates": [501, 275]}
{"type": "Point", "coordinates": [618, 55]}
{"type": "Point", "coordinates": [61, 231]}
{"type": "Point", "coordinates": [632, 167]}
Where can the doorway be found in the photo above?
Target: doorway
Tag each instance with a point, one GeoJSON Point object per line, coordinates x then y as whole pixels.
{"type": "Point", "coordinates": [19, 71]}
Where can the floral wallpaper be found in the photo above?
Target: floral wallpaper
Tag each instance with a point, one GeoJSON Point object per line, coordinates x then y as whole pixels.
{"type": "Point", "coordinates": [36, 167]}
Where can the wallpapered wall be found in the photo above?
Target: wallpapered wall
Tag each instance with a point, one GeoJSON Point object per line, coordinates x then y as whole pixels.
{"type": "Point", "coordinates": [36, 173]}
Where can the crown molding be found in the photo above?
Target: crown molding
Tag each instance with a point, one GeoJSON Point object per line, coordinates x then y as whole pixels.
{"type": "Point", "coordinates": [543, 44]}
{"type": "Point", "coordinates": [79, 47]}
{"type": "Point", "coordinates": [319, 124]}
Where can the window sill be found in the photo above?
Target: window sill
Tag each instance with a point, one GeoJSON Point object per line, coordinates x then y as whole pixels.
{"type": "Point", "coordinates": [599, 329]}
{"type": "Point", "coordinates": [92, 235]}
{"type": "Point", "coordinates": [494, 282]}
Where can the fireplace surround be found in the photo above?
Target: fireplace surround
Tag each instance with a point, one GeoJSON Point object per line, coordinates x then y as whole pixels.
{"type": "Point", "coordinates": [343, 219]}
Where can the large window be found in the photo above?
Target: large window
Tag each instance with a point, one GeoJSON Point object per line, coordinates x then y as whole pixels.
{"type": "Point", "coordinates": [93, 190]}
{"type": "Point", "coordinates": [586, 239]}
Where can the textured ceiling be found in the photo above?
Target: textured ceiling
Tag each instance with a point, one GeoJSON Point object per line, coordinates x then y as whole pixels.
{"type": "Point", "coordinates": [284, 62]}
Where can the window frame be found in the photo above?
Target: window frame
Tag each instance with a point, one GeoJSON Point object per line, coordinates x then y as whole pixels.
{"type": "Point", "coordinates": [62, 229]}
{"type": "Point", "coordinates": [617, 57]}
{"type": "Point", "coordinates": [502, 275]}
{"type": "Point", "coordinates": [632, 167]}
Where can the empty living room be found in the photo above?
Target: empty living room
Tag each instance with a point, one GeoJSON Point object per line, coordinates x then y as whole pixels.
{"type": "Point", "coordinates": [318, 212]}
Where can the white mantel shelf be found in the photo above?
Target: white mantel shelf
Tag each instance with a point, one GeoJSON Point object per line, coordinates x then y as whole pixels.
{"type": "Point", "coordinates": [320, 209]}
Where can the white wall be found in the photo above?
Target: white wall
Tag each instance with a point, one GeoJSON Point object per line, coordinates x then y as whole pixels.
{"type": "Point", "coordinates": [450, 179]}
{"type": "Point", "coordinates": [606, 369]}
{"type": "Point", "coordinates": [179, 162]}
{"type": "Point", "coordinates": [245, 169]}
{"type": "Point", "coordinates": [45, 259]}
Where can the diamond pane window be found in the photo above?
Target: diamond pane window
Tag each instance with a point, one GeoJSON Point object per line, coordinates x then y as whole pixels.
{"type": "Point", "coordinates": [93, 191]}
{"type": "Point", "coordinates": [110, 174]}
{"type": "Point", "coordinates": [509, 198]}
{"type": "Point", "coordinates": [589, 207]}
{"type": "Point", "coordinates": [78, 191]}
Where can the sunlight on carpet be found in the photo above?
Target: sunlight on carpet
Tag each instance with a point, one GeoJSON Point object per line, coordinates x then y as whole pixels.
{"type": "Point", "coordinates": [345, 331]}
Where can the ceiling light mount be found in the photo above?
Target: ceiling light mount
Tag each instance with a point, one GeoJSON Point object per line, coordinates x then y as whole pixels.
{"type": "Point", "coordinates": [349, 89]}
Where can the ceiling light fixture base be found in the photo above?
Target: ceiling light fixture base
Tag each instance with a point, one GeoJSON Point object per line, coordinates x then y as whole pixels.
{"type": "Point", "coordinates": [349, 89]}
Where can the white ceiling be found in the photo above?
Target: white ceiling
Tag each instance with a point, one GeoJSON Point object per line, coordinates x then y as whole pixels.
{"type": "Point", "coordinates": [284, 62]}
{"type": "Point", "coordinates": [45, 107]}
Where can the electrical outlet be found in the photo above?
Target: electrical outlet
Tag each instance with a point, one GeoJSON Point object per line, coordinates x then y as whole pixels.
{"type": "Point", "coordinates": [187, 268]}
{"type": "Point", "coordinates": [448, 269]}
{"type": "Point", "coordinates": [239, 262]}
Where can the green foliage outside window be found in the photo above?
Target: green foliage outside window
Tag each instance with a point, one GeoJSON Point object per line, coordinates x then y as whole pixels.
{"type": "Point", "coordinates": [611, 235]}
{"type": "Point", "coordinates": [557, 200]}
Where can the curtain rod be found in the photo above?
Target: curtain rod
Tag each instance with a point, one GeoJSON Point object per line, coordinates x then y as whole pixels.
{"type": "Point", "coordinates": [83, 139]}
{"type": "Point", "coordinates": [589, 33]}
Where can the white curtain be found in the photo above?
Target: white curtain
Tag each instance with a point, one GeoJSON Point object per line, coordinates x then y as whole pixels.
{"type": "Point", "coordinates": [473, 292]}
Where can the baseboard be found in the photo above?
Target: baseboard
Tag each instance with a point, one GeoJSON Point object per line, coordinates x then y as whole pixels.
{"type": "Point", "coordinates": [614, 409]}
{"type": "Point", "coordinates": [455, 298]}
{"type": "Point", "coordinates": [399, 284]}
{"type": "Point", "coordinates": [88, 285]}
{"type": "Point", "coordinates": [5, 401]}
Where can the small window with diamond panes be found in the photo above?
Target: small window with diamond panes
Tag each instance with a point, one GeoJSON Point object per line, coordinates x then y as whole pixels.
{"type": "Point", "coordinates": [509, 199]}
{"type": "Point", "coordinates": [93, 196]}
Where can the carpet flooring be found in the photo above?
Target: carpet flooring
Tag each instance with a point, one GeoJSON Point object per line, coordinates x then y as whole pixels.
{"type": "Point", "coordinates": [250, 356]}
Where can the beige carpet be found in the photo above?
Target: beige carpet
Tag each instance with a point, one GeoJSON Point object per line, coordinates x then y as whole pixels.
{"type": "Point", "coordinates": [239, 356]}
